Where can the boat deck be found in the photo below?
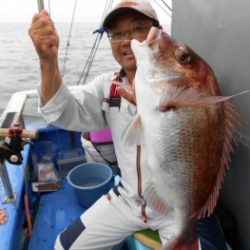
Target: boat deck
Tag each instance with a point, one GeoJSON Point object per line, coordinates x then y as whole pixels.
{"type": "Point", "coordinates": [51, 211]}
{"type": "Point", "coordinates": [56, 211]}
{"type": "Point", "coordinates": [12, 229]}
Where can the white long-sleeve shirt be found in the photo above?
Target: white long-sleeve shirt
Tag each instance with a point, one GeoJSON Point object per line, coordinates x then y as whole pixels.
{"type": "Point", "coordinates": [84, 109]}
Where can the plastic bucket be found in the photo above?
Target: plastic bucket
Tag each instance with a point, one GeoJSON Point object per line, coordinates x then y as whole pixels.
{"type": "Point", "coordinates": [90, 181]}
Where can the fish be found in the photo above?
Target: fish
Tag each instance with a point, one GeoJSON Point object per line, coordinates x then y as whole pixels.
{"type": "Point", "coordinates": [187, 128]}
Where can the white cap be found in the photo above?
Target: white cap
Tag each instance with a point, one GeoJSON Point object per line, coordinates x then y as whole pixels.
{"type": "Point", "coordinates": [125, 6]}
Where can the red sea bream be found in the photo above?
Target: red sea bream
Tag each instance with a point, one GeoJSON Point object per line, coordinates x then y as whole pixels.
{"type": "Point", "coordinates": [188, 130]}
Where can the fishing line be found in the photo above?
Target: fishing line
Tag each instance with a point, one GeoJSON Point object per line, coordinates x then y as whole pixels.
{"type": "Point", "coordinates": [40, 4]}
{"type": "Point", "coordinates": [68, 41]}
{"type": "Point", "coordinates": [170, 15]}
{"type": "Point", "coordinates": [107, 7]}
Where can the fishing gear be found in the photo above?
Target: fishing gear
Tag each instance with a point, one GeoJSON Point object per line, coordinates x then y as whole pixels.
{"type": "Point", "coordinates": [10, 150]}
{"type": "Point", "coordinates": [40, 4]}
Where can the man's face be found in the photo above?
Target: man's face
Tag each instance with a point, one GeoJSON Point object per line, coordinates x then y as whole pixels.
{"type": "Point", "coordinates": [125, 28]}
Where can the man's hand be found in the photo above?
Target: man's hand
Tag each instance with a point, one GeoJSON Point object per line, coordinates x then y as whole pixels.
{"type": "Point", "coordinates": [127, 93]}
{"type": "Point", "coordinates": [46, 41]}
{"type": "Point", "coordinates": [44, 36]}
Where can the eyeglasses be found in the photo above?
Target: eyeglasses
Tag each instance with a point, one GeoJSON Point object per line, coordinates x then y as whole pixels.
{"type": "Point", "coordinates": [137, 32]}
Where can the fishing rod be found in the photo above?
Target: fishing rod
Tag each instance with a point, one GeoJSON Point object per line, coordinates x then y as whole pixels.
{"type": "Point", "coordinates": [40, 4]}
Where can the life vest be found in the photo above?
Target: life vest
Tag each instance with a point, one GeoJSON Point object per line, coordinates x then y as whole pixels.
{"type": "Point", "coordinates": [103, 138]}
{"type": "Point", "coordinates": [114, 95]}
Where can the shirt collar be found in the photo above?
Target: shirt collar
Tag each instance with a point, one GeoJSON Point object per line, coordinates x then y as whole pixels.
{"type": "Point", "coordinates": [122, 73]}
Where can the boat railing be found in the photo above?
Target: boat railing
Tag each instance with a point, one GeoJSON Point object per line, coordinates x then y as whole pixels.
{"type": "Point", "coordinates": [13, 132]}
{"type": "Point", "coordinates": [12, 129]}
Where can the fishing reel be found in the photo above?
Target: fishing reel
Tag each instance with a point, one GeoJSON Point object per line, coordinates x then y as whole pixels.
{"type": "Point", "coordinates": [11, 147]}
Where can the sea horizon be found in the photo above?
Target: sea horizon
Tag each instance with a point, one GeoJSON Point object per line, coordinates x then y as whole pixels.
{"type": "Point", "coordinates": [19, 64]}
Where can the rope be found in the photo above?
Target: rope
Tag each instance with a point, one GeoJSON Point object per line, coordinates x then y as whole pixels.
{"type": "Point", "coordinates": [90, 59]}
{"type": "Point", "coordinates": [86, 69]}
{"type": "Point", "coordinates": [166, 5]}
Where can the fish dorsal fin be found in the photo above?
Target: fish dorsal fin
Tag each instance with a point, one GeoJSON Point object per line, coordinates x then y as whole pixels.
{"type": "Point", "coordinates": [132, 134]}
{"type": "Point", "coordinates": [233, 122]}
{"type": "Point", "coordinates": [153, 200]}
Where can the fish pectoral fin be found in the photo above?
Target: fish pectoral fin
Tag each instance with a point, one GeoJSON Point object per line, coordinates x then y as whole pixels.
{"type": "Point", "coordinates": [176, 97]}
{"type": "Point", "coordinates": [154, 201]}
{"type": "Point", "coordinates": [132, 134]}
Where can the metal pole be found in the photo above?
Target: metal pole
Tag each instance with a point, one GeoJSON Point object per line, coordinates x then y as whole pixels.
{"type": "Point", "coordinates": [40, 4]}
{"type": "Point", "coordinates": [6, 182]}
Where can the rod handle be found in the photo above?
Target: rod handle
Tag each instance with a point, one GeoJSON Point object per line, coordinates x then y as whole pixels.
{"type": "Point", "coordinates": [26, 133]}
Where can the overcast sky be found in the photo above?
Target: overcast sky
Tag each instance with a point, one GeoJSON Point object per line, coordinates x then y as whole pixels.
{"type": "Point", "coordinates": [61, 10]}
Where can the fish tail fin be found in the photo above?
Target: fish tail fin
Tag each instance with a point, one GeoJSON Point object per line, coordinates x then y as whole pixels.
{"type": "Point", "coordinates": [178, 243]}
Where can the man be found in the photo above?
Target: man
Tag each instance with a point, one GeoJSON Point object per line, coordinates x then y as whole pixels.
{"type": "Point", "coordinates": [124, 210]}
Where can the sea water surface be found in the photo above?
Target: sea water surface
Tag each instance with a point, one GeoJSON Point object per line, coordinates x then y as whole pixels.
{"type": "Point", "coordinates": [19, 64]}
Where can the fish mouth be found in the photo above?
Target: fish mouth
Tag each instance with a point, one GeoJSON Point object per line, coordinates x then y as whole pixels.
{"type": "Point", "coordinates": [162, 73]}
{"type": "Point", "coordinates": [153, 35]}
{"type": "Point", "coordinates": [145, 51]}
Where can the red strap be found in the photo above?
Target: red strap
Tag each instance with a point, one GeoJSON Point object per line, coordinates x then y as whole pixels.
{"type": "Point", "coordinates": [113, 88]}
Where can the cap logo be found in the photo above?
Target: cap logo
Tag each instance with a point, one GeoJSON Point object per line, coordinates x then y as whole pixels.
{"type": "Point", "coordinates": [127, 4]}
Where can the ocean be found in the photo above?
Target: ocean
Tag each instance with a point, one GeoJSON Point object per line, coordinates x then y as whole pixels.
{"type": "Point", "coordinates": [19, 64]}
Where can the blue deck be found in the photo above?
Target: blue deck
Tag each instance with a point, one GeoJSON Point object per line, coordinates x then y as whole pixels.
{"type": "Point", "coordinates": [51, 211]}
{"type": "Point", "coordinates": [13, 227]}
{"type": "Point", "coordinates": [56, 211]}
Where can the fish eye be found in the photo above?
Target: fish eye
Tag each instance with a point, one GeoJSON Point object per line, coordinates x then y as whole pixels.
{"type": "Point", "coordinates": [183, 56]}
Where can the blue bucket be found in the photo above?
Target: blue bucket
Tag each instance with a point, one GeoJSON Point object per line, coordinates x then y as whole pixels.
{"type": "Point", "coordinates": [90, 181]}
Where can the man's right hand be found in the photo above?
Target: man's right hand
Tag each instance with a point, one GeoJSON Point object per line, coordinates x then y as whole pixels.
{"type": "Point", "coordinates": [46, 41]}
{"type": "Point", "coordinates": [44, 36]}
